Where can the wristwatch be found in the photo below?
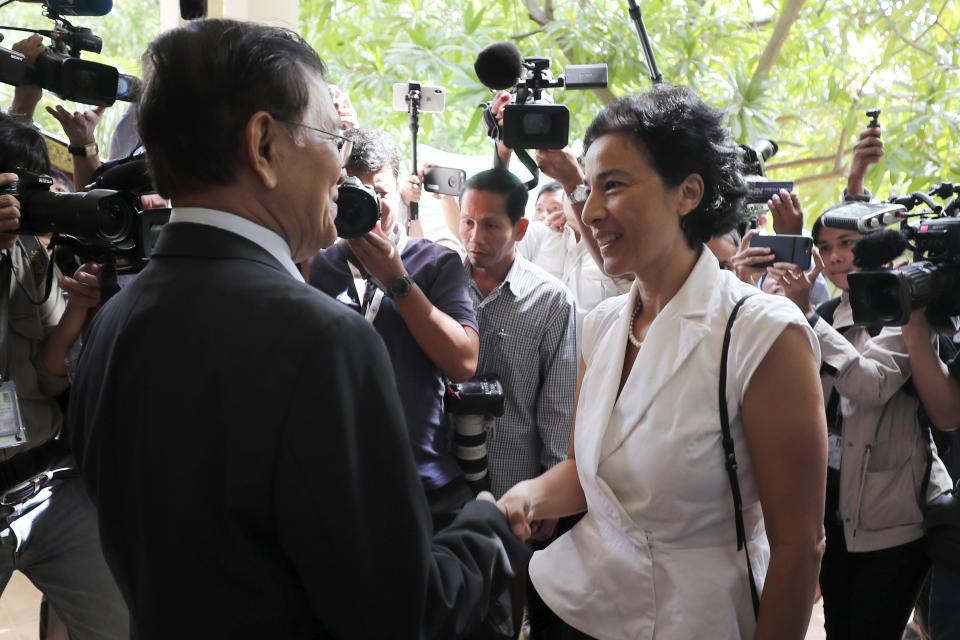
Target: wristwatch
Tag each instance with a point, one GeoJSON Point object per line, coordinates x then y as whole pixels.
{"type": "Point", "coordinates": [579, 194]}
{"type": "Point", "coordinates": [399, 287]}
{"type": "Point", "coordinates": [85, 151]}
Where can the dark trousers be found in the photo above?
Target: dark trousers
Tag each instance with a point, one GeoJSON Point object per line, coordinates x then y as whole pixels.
{"type": "Point", "coordinates": [869, 595]}
{"type": "Point", "coordinates": [944, 619]}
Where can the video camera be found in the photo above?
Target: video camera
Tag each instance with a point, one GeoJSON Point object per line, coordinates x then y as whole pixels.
{"type": "Point", "coordinates": [105, 224]}
{"type": "Point", "coordinates": [881, 296]}
{"type": "Point", "coordinates": [529, 122]}
{"type": "Point", "coordinates": [59, 68]}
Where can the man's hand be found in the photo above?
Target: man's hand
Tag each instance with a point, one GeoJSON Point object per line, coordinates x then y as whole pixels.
{"type": "Point", "coordinates": [796, 284]}
{"type": "Point", "coordinates": [556, 221]}
{"type": "Point", "coordinates": [83, 289]}
{"type": "Point", "coordinates": [744, 261]}
{"type": "Point", "coordinates": [79, 127]}
{"type": "Point", "coordinates": [562, 166]}
{"type": "Point", "coordinates": [787, 213]}
{"type": "Point", "coordinates": [9, 206]}
{"type": "Point", "coordinates": [515, 504]}
{"type": "Point", "coordinates": [341, 101]}
{"type": "Point", "coordinates": [867, 151]}
{"type": "Point", "coordinates": [378, 255]}
{"type": "Point", "coordinates": [27, 96]}
{"type": "Point", "coordinates": [410, 188]}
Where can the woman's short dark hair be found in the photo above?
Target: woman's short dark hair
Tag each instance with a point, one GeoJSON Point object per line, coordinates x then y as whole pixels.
{"type": "Point", "coordinates": [373, 149]}
{"type": "Point", "coordinates": [681, 135]}
{"type": "Point", "coordinates": [203, 82]}
{"type": "Point", "coordinates": [506, 184]}
{"type": "Point", "coordinates": [22, 147]}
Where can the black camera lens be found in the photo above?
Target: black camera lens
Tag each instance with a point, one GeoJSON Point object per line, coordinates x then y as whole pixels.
{"type": "Point", "coordinates": [358, 209]}
{"type": "Point", "coordinates": [536, 124]}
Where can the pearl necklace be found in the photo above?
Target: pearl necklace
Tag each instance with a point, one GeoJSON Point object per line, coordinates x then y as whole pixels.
{"type": "Point", "coordinates": [633, 317]}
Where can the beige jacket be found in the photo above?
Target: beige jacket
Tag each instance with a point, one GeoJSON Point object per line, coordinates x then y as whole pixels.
{"type": "Point", "coordinates": [884, 446]}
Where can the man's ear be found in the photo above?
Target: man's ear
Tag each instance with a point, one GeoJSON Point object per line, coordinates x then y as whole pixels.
{"type": "Point", "coordinates": [520, 229]}
{"type": "Point", "coordinates": [261, 137]}
{"type": "Point", "coordinates": [691, 193]}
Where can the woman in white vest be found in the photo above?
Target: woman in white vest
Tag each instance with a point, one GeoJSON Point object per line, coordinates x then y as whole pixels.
{"type": "Point", "coordinates": [657, 553]}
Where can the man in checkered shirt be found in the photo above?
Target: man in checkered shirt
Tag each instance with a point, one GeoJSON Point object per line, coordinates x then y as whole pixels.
{"type": "Point", "coordinates": [527, 332]}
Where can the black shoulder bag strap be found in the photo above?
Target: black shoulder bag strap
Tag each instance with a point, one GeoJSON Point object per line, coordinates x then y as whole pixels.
{"type": "Point", "coordinates": [731, 458]}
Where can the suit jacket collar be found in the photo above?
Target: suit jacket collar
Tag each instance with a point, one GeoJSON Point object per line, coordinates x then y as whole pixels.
{"type": "Point", "coordinates": [676, 331]}
{"type": "Point", "coordinates": [190, 240]}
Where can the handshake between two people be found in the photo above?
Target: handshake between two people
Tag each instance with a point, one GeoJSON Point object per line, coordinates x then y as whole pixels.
{"type": "Point", "coordinates": [519, 508]}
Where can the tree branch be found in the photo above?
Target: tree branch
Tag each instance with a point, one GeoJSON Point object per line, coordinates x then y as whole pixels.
{"type": "Point", "coordinates": [538, 13]}
{"type": "Point", "coordinates": [913, 43]}
{"type": "Point", "coordinates": [769, 56]}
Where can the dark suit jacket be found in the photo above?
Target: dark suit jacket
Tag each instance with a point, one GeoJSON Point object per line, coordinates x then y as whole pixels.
{"type": "Point", "coordinates": [242, 437]}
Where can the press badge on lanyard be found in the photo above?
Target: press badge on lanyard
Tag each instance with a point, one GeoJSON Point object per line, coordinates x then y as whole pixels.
{"type": "Point", "coordinates": [12, 432]}
{"type": "Point", "coordinates": [834, 450]}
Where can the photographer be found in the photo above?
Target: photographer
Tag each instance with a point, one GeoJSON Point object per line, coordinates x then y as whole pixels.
{"type": "Point", "coordinates": [425, 316]}
{"type": "Point", "coordinates": [239, 430]}
{"type": "Point", "coordinates": [875, 562]}
{"type": "Point", "coordinates": [938, 385]}
{"type": "Point", "coordinates": [49, 526]}
{"type": "Point", "coordinates": [78, 126]}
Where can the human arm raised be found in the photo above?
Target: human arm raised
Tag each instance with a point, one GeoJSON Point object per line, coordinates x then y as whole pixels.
{"type": "Point", "coordinates": [938, 390]}
{"type": "Point", "coordinates": [80, 128]}
{"type": "Point", "coordinates": [83, 291]}
{"type": "Point", "coordinates": [785, 427]}
{"type": "Point", "coordinates": [451, 346]}
{"type": "Point", "coordinates": [867, 151]}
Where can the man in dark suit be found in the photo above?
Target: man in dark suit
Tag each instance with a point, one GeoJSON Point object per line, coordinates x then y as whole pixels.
{"type": "Point", "coordinates": [239, 430]}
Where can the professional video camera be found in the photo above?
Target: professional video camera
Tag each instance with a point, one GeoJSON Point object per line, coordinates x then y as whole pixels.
{"type": "Point", "coordinates": [104, 224]}
{"type": "Point", "coordinates": [529, 122]}
{"type": "Point", "coordinates": [59, 68]}
{"type": "Point", "coordinates": [881, 296]}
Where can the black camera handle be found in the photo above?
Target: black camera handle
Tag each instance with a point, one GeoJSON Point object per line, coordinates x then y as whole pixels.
{"type": "Point", "coordinates": [413, 108]}
{"type": "Point", "coordinates": [655, 76]}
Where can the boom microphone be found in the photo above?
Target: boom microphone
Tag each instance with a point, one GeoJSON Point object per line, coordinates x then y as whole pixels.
{"type": "Point", "coordinates": [499, 66]}
{"type": "Point", "coordinates": [77, 7]}
{"type": "Point", "coordinates": [862, 217]}
{"type": "Point", "coordinates": [877, 249]}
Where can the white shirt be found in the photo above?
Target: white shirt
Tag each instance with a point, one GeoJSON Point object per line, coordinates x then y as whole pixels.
{"type": "Point", "coordinates": [560, 255]}
{"type": "Point", "coordinates": [271, 242]}
{"type": "Point", "coordinates": [656, 554]}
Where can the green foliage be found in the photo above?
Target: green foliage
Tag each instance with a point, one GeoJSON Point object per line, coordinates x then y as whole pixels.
{"type": "Point", "coordinates": [839, 58]}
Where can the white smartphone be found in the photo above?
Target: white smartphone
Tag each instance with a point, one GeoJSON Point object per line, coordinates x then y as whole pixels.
{"type": "Point", "coordinates": [432, 99]}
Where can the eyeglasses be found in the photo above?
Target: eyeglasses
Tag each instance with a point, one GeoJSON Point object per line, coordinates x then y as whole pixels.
{"type": "Point", "coordinates": [344, 145]}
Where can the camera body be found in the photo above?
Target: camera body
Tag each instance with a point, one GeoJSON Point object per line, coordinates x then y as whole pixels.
{"type": "Point", "coordinates": [480, 395]}
{"type": "Point", "coordinates": [59, 68]}
{"type": "Point", "coordinates": [530, 121]}
{"type": "Point", "coordinates": [93, 222]}
{"type": "Point", "coordinates": [880, 296]}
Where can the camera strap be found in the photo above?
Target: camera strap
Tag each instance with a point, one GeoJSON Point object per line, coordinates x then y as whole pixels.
{"type": "Point", "coordinates": [370, 291]}
{"type": "Point", "coordinates": [40, 264]}
{"type": "Point", "coordinates": [731, 458]}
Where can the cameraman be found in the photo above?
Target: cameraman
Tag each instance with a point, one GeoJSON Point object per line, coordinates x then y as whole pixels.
{"type": "Point", "coordinates": [938, 386]}
{"type": "Point", "coordinates": [49, 526]}
{"type": "Point", "coordinates": [875, 561]}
